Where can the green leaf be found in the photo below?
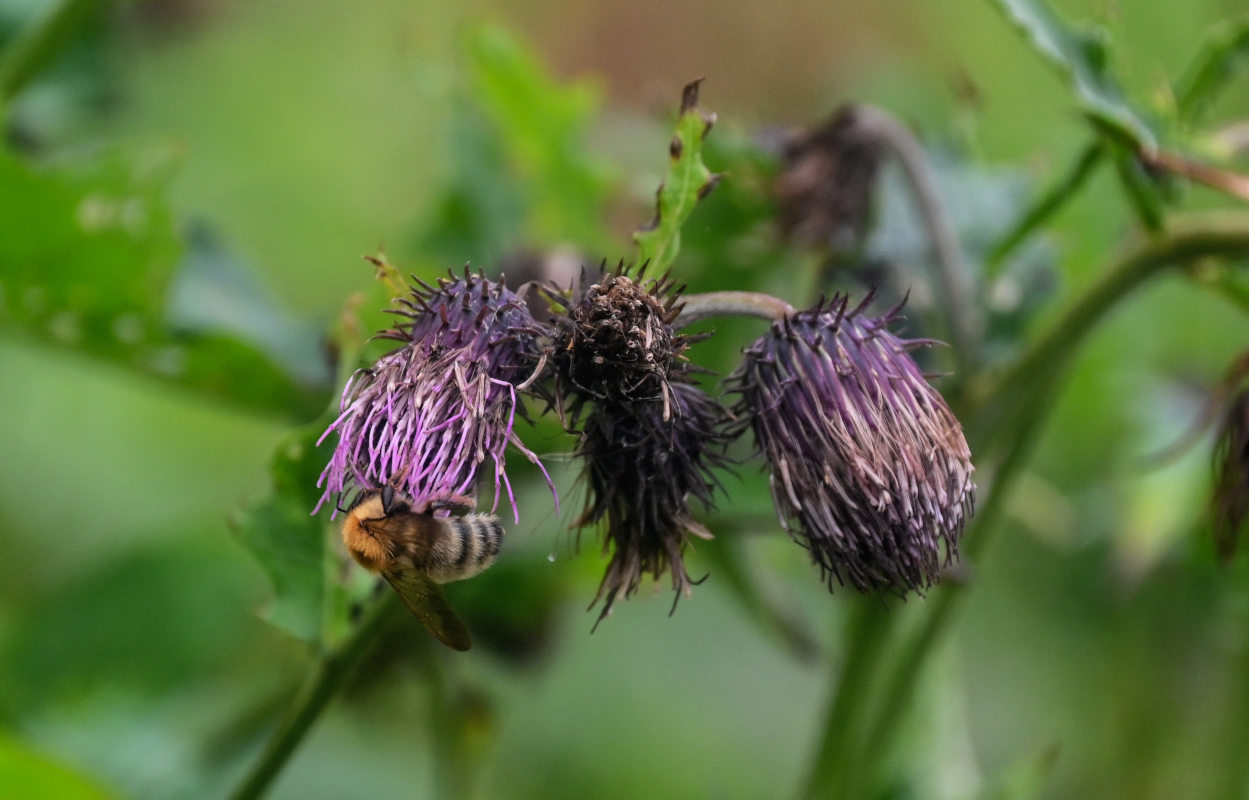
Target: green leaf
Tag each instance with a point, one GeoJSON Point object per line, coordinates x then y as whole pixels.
{"type": "Point", "coordinates": [1082, 55]}
{"type": "Point", "coordinates": [89, 254]}
{"type": "Point", "coordinates": [543, 127]}
{"type": "Point", "coordinates": [687, 182]}
{"type": "Point", "coordinates": [1225, 51]}
{"type": "Point", "coordinates": [290, 543]}
{"type": "Point", "coordinates": [25, 773]}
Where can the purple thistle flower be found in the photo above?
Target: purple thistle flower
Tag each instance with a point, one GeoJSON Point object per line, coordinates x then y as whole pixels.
{"type": "Point", "coordinates": [426, 416]}
{"type": "Point", "coordinates": [649, 437]}
{"type": "Point", "coordinates": [864, 454]}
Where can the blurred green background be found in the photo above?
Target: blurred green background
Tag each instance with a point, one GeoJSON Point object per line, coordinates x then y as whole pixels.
{"type": "Point", "coordinates": [1101, 653]}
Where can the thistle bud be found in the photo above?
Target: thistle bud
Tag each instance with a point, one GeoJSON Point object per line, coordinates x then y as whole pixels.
{"type": "Point", "coordinates": [649, 437]}
{"type": "Point", "coordinates": [865, 456]}
{"type": "Point", "coordinates": [428, 415]}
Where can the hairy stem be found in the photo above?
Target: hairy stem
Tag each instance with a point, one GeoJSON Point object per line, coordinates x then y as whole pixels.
{"type": "Point", "coordinates": [328, 674]}
{"type": "Point", "coordinates": [731, 304]}
{"type": "Point", "coordinates": [962, 313]}
{"type": "Point", "coordinates": [39, 41]}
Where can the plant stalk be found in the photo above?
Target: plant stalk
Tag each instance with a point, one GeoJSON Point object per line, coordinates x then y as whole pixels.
{"type": "Point", "coordinates": [698, 307]}
{"type": "Point", "coordinates": [328, 675]}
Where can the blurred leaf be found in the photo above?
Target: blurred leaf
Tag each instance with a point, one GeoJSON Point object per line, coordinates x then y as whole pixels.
{"type": "Point", "coordinates": [88, 252]}
{"type": "Point", "coordinates": [214, 292]}
{"type": "Point", "coordinates": [480, 216]}
{"type": "Point", "coordinates": [1025, 779]}
{"type": "Point", "coordinates": [32, 776]}
{"type": "Point", "coordinates": [1082, 54]}
{"type": "Point", "coordinates": [688, 181]}
{"type": "Point", "coordinates": [288, 541]}
{"type": "Point", "coordinates": [1224, 52]}
{"type": "Point", "coordinates": [990, 202]}
{"type": "Point", "coordinates": [155, 619]}
{"type": "Point", "coordinates": [542, 126]}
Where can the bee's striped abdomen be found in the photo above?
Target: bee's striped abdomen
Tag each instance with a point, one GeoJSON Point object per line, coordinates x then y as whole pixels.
{"type": "Point", "coordinates": [468, 545]}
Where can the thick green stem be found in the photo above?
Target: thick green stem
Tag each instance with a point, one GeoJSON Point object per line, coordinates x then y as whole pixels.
{"type": "Point", "coordinates": [832, 774]}
{"type": "Point", "coordinates": [38, 42]}
{"type": "Point", "coordinates": [328, 675]}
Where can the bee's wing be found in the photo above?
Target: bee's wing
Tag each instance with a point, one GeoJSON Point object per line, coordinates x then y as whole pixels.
{"type": "Point", "coordinates": [425, 600]}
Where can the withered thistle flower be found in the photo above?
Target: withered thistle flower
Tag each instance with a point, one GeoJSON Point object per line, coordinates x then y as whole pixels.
{"type": "Point", "coordinates": [649, 436]}
{"type": "Point", "coordinates": [825, 189]}
{"type": "Point", "coordinates": [865, 456]}
{"type": "Point", "coordinates": [1230, 504]}
{"type": "Point", "coordinates": [428, 415]}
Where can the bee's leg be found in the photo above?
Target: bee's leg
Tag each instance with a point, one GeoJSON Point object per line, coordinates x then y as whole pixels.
{"type": "Point", "coordinates": [452, 502]}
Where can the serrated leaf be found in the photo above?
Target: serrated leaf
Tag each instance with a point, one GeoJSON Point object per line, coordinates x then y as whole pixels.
{"type": "Point", "coordinates": [287, 541]}
{"type": "Point", "coordinates": [688, 181]}
{"type": "Point", "coordinates": [88, 254]}
{"type": "Point", "coordinates": [1083, 56]}
{"type": "Point", "coordinates": [1224, 52]}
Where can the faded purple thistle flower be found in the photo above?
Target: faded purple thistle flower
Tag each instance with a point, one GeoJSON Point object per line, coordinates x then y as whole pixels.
{"type": "Point", "coordinates": [864, 454]}
{"type": "Point", "coordinates": [649, 437]}
{"type": "Point", "coordinates": [428, 415]}
{"type": "Point", "coordinates": [1230, 504]}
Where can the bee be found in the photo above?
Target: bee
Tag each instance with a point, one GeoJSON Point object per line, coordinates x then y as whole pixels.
{"type": "Point", "coordinates": [415, 551]}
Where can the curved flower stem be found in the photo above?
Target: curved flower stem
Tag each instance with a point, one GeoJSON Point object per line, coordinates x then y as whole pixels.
{"type": "Point", "coordinates": [1189, 237]}
{"type": "Point", "coordinates": [36, 43]}
{"type": "Point", "coordinates": [698, 307]}
{"type": "Point", "coordinates": [329, 673]}
{"type": "Point", "coordinates": [962, 313]}
{"type": "Point", "coordinates": [1032, 386]}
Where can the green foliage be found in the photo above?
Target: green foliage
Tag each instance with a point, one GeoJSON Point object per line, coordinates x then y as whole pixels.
{"type": "Point", "coordinates": [688, 180]}
{"type": "Point", "coordinates": [155, 640]}
{"type": "Point", "coordinates": [543, 126]}
{"type": "Point", "coordinates": [288, 541]}
{"type": "Point", "coordinates": [1224, 52]}
{"type": "Point", "coordinates": [27, 774]}
{"type": "Point", "coordinates": [1083, 56]}
{"type": "Point", "coordinates": [60, 224]}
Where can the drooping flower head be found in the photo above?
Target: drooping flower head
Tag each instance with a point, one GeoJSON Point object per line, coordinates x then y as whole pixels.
{"type": "Point", "coordinates": [649, 436]}
{"type": "Point", "coordinates": [869, 467]}
{"type": "Point", "coordinates": [429, 414]}
{"type": "Point", "coordinates": [825, 189]}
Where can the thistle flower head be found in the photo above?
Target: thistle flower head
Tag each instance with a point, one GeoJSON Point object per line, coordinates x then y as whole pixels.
{"type": "Point", "coordinates": [617, 342]}
{"type": "Point", "coordinates": [649, 437]}
{"type": "Point", "coordinates": [865, 456]}
{"type": "Point", "coordinates": [429, 414]}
